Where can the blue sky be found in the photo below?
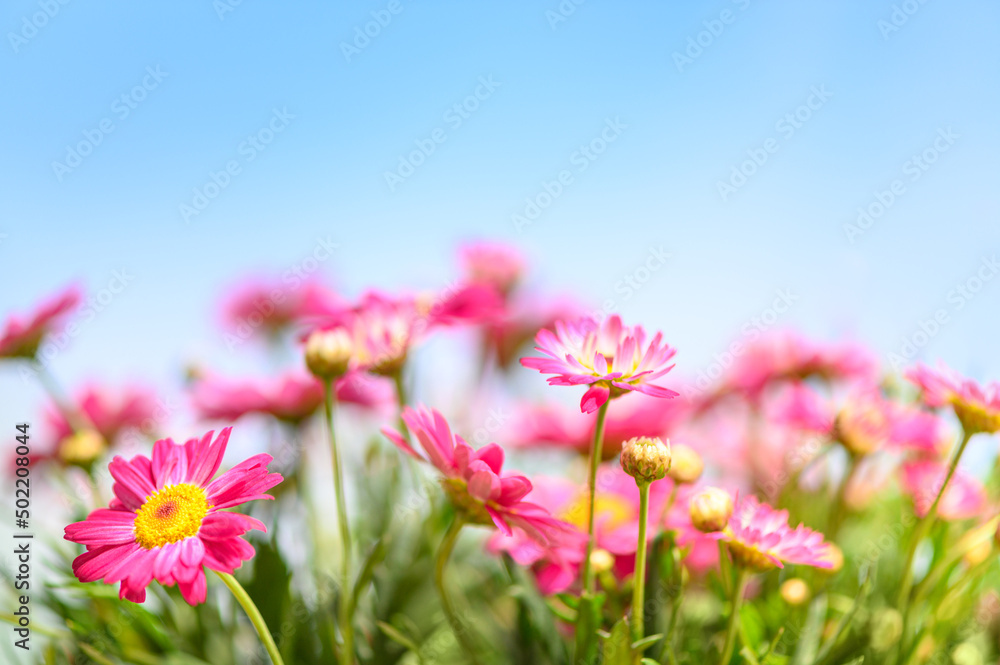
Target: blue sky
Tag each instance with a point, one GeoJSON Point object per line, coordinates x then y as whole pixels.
{"type": "Point", "coordinates": [840, 98]}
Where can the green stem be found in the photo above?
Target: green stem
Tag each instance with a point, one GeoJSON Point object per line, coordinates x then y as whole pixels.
{"type": "Point", "coordinates": [742, 577]}
{"type": "Point", "coordinates": [840, 501]}
{"type": "Point", "coordinates": [254, 614]}
{"type": "Point", "coordinates": [346, 624]}
{"type": "Point", "coordinates": [595, 460]}
{"type": "Point", "coordinates": [639, 577]}
{"type": "Point", "coordinates": [444, 553]}
{"type": "Point", "coordinates": [923, 527]}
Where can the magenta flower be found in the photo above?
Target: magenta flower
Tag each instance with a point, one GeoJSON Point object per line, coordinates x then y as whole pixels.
{"type": "Point", "coordinates": [977, 407]}
{"type": "Point", "coordinates": [922, 480]}
{"type": "Point", "coordinates": [473, 479]}
{"type": "Point", "coordinates": [110, 412]}
{"type": "Point", "coordinates": [608, 357]}
{"type": "Point", "coordinates": [558, 427]}
{"type": "Point", "coordinates": [758, 537]}
{"type": "Point", "coordinates": [168, 520]}
{"type": "Point", "coordinates": [22, 335]}
{"type": "Point", "coordinates": [291, 397]}
{"type": "Point", "coordinates": [271, 305]}
{"type": "Point", "coordinates": [492, 264]}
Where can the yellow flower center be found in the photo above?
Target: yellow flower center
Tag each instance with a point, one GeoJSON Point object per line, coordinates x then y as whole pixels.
{"type": "Point", "coordinates": [615, 509]}
{"type": "Point", "coordinates": [170, 514]}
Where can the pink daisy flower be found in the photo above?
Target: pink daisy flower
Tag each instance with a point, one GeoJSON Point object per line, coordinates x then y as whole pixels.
{"type": "Point", "coordinates": [110, 412]}
{"type": "Point", "coordinates": [473, 478]}
{"type": "Point", "coordinates": [556, 426]}
{"type": "Point", "coordinates": [292, 397]}
{"type": "Point", "coordinates": [22, 335]}
{"type": "Point", "coordinates": [922, 479]}
{"type": "Point", "coordinates": [272, 305]}
{"type": "Point", "coordinates": [787, 356]}
{"type": "Point", "coordinates": [168, 520]}
{"type": "Point", "coordinates": [610, 358]}
{"type": "Point", "coordinates": [977, 407]}
{"type": "Point", "coordinates": [758, 537]}
{"type": "Point", "coordinates": [616, 527]}
{"type": "Point", "coordinates": [492, 264]}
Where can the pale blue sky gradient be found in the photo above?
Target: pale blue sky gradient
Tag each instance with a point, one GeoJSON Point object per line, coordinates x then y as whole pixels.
{"type": "Point", "coordinates": [655, 186]}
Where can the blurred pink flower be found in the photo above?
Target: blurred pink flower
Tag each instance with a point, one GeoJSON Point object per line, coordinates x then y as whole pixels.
{"type": "Point", "coordinates": [922, 479]}
{"type": "Point", "coordinates": [758, 536]}
{"type": "Point", "coordinates": [22, 335]}
{"type": "Point", "coordinates": [492, 264]}
{"type": "Point", "coordinates": [558, 427]}
{"type": "Point", "coordinates": [168, 520]}
{"type": "Point", "coordinates": [292, 397]}
{"type": "Point", "coordinates": [616, 526]}
{"type": "Point", "coordinates": [788, 355]}
{"type": "Point", "coordinates": [521, 320]}
{"type": "Point", "coordinates": [977, 407]}
{"type": "Point", "coordinates": [109, 412]}
{"type": "Point", "coordinates": [275, 304]}
{"type": "Point", "coordinates": [610, 358]}
{"type": "Point", "coordinates": [473, 478]}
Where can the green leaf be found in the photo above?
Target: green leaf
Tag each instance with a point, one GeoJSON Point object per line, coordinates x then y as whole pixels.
{"type": "Point", "coordinates": [812, 630]}
{"type": "Point", "coordinates": [751, 626]}
{"type": "Point", "coordinates": [398, 637]}
{"type": "Point", "coordinates": [375, 556]}
{"type": "Point", "coordinates": [646, 642]}
{"type": "Point", "coordinates": [618, 647]}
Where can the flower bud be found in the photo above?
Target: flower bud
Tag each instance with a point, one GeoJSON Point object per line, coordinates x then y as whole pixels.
{"type": "Point", "coordinates": [601, 561]}
{"type": "Point", "coordinates": [887, 627]}
{"type": "Point", "coordinates": [328, 352]}
{"type": "Point", "coordinates": [861, 428]}
{"type": "Point", "coordinates": [795, 591]}
{"type": "Point", "coordinates": [645, 458]}
{"type": "Point", "coordinates": [711, 509]}
{"type": "Point", "coordinates": [685, 464]}
{"type": "Point", "coordinates": [82, 448]}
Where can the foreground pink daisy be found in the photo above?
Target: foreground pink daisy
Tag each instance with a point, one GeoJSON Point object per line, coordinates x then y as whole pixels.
{"type": "Point", "coordinates": [22, 335]}
{"type": "Point", "coordinates": [759, 538]}
{"type": "Point", "coordinates": [977, 407]}
{"type": "Point", "coordinates": [480, 493]}
{"type": "Point", "coordinates": [473, 479]}
{"type": "Point", "coordinates": [168, 520]}
{"type": "Point", "coordinates": [610, 358]}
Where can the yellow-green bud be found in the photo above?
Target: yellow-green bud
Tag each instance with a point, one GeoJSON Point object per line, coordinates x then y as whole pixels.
{"type": "Point", "coordinates": [601, 561]}
{"type": "Point", "coordinates": [328, 352]}
{"type": "Point", "coordinates": [645, 458]}
{"type": "Point", "coordinates": [710, 509]}
{"type": "Point", "coordinates": [685, 464]}
{"type": "Point", "coordinates": [795, 591]}
{"type": "Point", "coordinates": [82, 448]}
{"type": "Point", "coordinates": [887, 626]}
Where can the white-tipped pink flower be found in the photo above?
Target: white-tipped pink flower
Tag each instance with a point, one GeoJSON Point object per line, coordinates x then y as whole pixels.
{"type": "Point", "coordinates": [759, 538]}
{"type": "Point", "coordinates": [977, 407]}
{"type": "Point", "coordinates": [610, 358]}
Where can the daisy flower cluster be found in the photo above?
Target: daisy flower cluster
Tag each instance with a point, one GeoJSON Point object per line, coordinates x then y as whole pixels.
{"type": "Point", "coordinates": [386, 479]}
